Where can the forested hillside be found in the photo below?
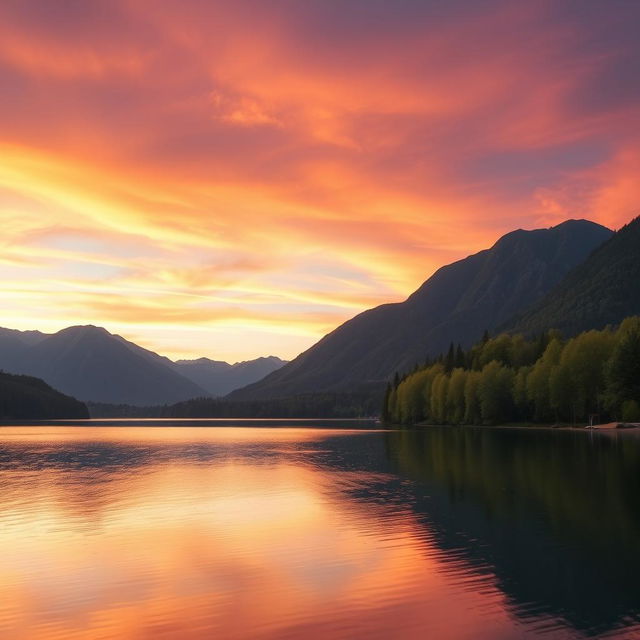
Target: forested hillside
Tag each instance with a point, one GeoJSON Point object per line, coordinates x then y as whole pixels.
{"type": "Point", "coordinates": [27, 398]}
{"type": "Point", "coordinates": [512, 379]}
{"type": "Point", "coordinates": [603, 290]}
{"type": "Point", "coordinates": [456, 304]}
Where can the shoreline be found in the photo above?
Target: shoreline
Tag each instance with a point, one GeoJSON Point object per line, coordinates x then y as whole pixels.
{"type": "Point", "coordinates": [611, 427]}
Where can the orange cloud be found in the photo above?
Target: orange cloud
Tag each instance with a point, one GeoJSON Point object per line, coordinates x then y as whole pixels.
{"type": "Point", "coordinates": [326, 161]}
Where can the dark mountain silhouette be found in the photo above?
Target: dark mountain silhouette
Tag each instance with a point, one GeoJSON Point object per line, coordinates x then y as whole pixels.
{"type": "Point", "coordinates": [604, 290]}
{"type": "Point", "coordinates": [91, 364]}
{"type": "Point", "coordinates": [27, 398]}
{"type": "Point", "coordinates": [96, 366]}
{"type": "Point", "coordinates": [456, 304]}
{"type": "Point", "coordinates": [219, 378]}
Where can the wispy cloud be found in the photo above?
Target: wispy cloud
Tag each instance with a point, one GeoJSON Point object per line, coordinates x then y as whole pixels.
{"type": "Point", "coordinates": [172, 163]}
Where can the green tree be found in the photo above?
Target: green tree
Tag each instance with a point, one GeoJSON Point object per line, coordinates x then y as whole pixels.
{"type": "Point", "coordinates": [512, 378]}
{"type": "Point", "coordinates": [439, 390]}
{"type": "Point", "coordinates": [623, 368]}
{"type": "Point", "coordinates": [386, 415]}
{"type": "Point", "coordinates": [562, 393]}
{"type": "Point", "coordinates": [521, 401]}
{"type": "Point", "coordinates": [631, 411]}
{"type": "Point", "coordinates": [455, 396]}
{"type": "Point", "coordinates": [496, 389]}
{"type": "Point", "coordinates": [538, 387]}
{"type": "Point", "coordinates": [499, 349]}
{"type": "Point", "coordinates": [578, 385]}
{"type": "Point", "coordinates": [460, 360]}
{"type": "Point", "coordinates": [411, 397]}
{"type": "Point", "coordinates": [450, 359]}
{"type": "Point", "coordinates": [472, 413]}
{"type": "Point", "coordinates": [432, 372]}
{"type": "Point", "coordinates": [393, 405]}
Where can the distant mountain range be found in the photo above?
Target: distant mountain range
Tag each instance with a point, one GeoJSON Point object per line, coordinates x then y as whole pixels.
{"type": "Point", "coordinates": [219, 378]}
{"type": "Point", "coordinates": [575, 276]}
{"type": "Point", "coordinates": [601, 291]}
{"type": "Point", "coordinates": [91, 364]}
{"type": "Point", "coordinates": [27, 398]}
{"type": "Point", "coordinates": [457, 304]}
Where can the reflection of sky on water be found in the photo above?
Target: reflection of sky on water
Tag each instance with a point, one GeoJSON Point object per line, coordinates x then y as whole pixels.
{"type": "Point", "coordinates": [265, 533]}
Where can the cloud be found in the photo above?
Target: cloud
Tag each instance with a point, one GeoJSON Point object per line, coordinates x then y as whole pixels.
{"type": "Point", "coordinates": [321, 154]}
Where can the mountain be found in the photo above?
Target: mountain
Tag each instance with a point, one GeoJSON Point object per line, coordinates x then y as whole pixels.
{"type": "Point", "coordinates": [91, 364]}
{"type": "Point", "coordinates": [96, 366]}
{"type": "Point", "coordinates": [27, 398]}
{"type": "Point", "coordinates": [456, 304]}
{"type": "Point", "coordinates": [603, 290]}
{"type": "Point", "coordinates": [220, 378]}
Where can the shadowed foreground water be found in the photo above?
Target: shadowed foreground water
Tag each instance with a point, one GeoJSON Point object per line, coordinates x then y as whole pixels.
{"type": "Point", "coordinates": [299, 532]}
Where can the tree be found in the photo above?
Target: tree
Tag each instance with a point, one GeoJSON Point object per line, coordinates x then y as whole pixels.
{"type": "Point", "coordinates": [623, 368]}
{"type": "Point", "coordinates": [455, 397]}
{"type": "Point", "coordinates": [579, 383]}
{"type": "Point", "coordinates": [459, 360]}
{"type": "Point", "coordinates": [538, 381]}
{"type": "Point", "coordinates": [393, 405]}
{"type": "Point", "coordinates": [511, 378]}
{"type": "Point", "coordinates": [562, 393]}
{"type": "Point", "coordinates": [521, 402]}
{"type": "Point", "coordinates": [631, 411]}
{"type": "Point", "coordinates": [496, 387]}
{"type": "Point", "coordinates": [410, 398]}
{"type": "Point", "coordinates": [499, 349]}
{"type": "Point", "coordinates": [386, 415]}
{"type": "Point", "coordinates": [439, 390]}
{"type": "Point", "coordinates": [432, 373]}
{"type": "Point", "coordinates": [472, 413]}
{"type": "Point", "coordinates": [449, 361]}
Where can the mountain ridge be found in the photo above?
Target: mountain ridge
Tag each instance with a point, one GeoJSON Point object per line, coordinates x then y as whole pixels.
{"type": "Point", "coordinates": [457, 303]}
{"type": "Point", "coordinates": [601, 291]}
{"type": "Point", "coordinates": [218, 377]}
{"type": "Point", "coordinates": [94, 365]}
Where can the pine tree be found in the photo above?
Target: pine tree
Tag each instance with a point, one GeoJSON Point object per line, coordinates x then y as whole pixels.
{"type": "Point", "coordinates": [449, 361]}
{"type": "Point", "coordinates": [460, 360]}
{"type": "Point", "coordinates": [385, 407]}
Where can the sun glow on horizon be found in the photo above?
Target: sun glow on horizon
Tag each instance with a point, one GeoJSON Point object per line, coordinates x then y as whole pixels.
{"type": "Point", "coordinates": [206, 188]}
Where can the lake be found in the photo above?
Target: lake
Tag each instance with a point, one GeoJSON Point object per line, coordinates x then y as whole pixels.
{"type": "Point", "coordinates": [212, 529]}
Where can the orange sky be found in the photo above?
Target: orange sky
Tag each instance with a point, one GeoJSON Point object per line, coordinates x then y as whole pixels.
{"type": "Point", "coordinates": [236, 179]}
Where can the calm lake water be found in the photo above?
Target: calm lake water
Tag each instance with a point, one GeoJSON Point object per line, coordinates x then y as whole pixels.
{"type": "Point", "coordinates": [299, 530]}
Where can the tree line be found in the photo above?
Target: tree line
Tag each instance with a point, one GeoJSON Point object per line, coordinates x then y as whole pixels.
{"type": "Point", "coordinates": [313, 405]}
{"type": "Point", "coordinates": [509, 378]}
{"type": "Point", "coordinates": [28, 398]}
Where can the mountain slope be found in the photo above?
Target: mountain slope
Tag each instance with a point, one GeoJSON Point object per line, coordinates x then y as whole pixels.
{"type": "Point", "coordinates": [14, 345]}
{"type": "Point", "coordinates": [603, 290]}
{"type": "Point", "coordinates": [219, 378]}
{"type": "Point", "coordinates": [27, 398]}
{"type": "Point", "coordinates": [456, 304]}
{"type": "Point", "coordinates": [91, 364]}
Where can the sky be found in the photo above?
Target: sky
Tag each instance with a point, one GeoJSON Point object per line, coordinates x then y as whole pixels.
{"type": "Point", "coordinates": [236, 179]}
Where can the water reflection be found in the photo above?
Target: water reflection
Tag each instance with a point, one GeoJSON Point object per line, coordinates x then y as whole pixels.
{"type": "Point", "coordinates": [315, 533]}
{"type": "Point", "coordinates": [555, 515]}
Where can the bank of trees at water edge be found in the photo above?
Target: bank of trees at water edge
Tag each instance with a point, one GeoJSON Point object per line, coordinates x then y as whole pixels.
{"type": "Point", "coordinates": [512, 379]}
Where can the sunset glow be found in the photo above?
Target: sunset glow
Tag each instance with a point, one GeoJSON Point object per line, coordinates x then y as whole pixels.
{"type": "Point", "coordinates": [172, 551]}
{"type": "Point", "coordinates": [236, 179]}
